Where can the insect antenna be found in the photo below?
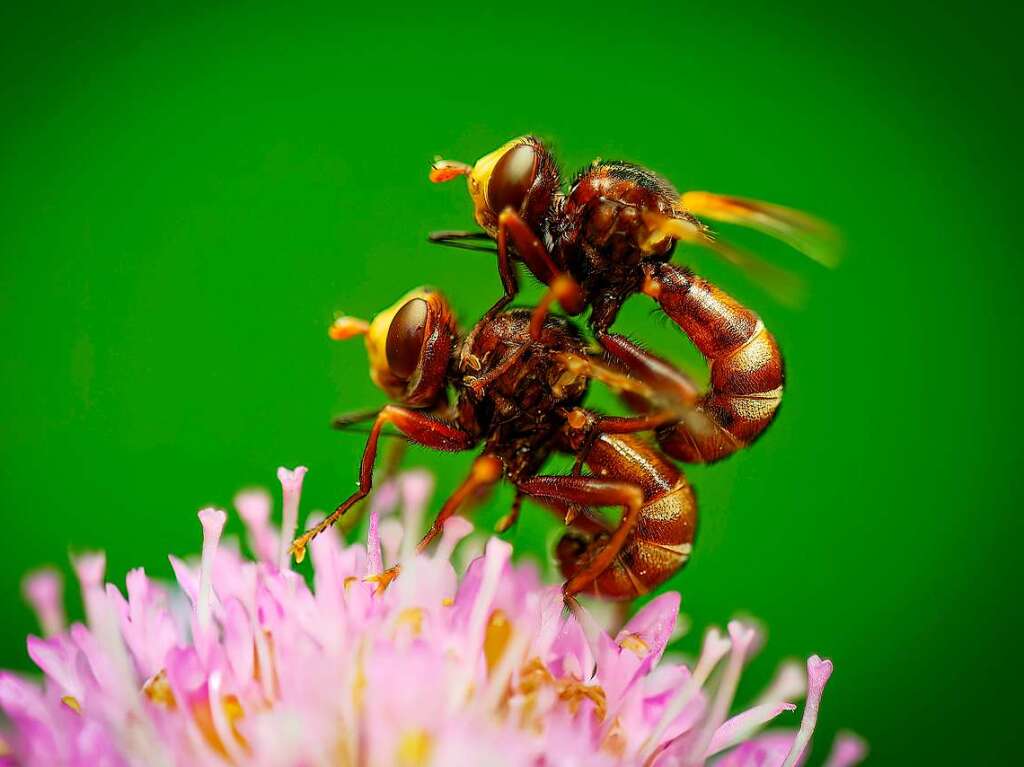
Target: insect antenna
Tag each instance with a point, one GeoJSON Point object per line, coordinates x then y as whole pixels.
{"type": "Point", "coordinates": [462, 240]}
{"type": "Point", "coordinates": [349, 422]}
{"type": "Point", "coordinates": [345, 420]}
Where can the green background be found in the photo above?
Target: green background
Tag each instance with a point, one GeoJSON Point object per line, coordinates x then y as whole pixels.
{"type": "Point", "coordinates": [187, 196]}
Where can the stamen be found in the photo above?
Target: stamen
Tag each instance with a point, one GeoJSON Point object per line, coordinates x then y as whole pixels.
{"type": "Point", "coordinates": [391, 535]}
{"type": "Point", "coordinates": [44, 591]}
{"type": "Point", "coordinates": [512, 655]}
{"type": "Point", "coordinates": [374, 563]}
{"type": "Point", "coordinates": [416, 489]}
{"type": "Point", "coordinates": [592, 631]}
{"type": "Point", "coordinates": [254, 508]}
{"type": "Point", "coordinates": [291, 488]}
{"type": "Point", "coordinates": [714, 649]}
{"type": "Point", "coordinates": [263, 665]}
{"type": "Point", "coordinates": [496, 556]}
{"type": "Point", "coordinates": [847, 750]}
{"type": "Point", "coordinates": [414, 748]}
{"type": "Point", "coordinates": [455, 529]}
{"type": "Point", "coordinates": [212, 521]}
{"type": "Point", "coordinates": [789, 684]}
{"type": "Point", "coordinates": [136, 729]}
{"type": "Point", "coordinates": [742, 637]}
{"type": "Point", "coordinates": [818, 672]}
{"type": "Point", "coordinates": [742, 726]}
{"type": "Point", "coordinates": [90, 568]}
{"type": "Point", "coordinates": [222, 727]}
{"type": "Point", "coordinates": [385, 498]}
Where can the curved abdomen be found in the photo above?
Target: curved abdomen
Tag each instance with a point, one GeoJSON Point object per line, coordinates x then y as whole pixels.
{"type": "Point", "coordinates": [745, 365]}
{"type": "Point", "coordinates": [661, 542]}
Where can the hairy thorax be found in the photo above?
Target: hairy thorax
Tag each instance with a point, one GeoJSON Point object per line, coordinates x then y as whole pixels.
{"type": "Point", "coordinates": [608, 236]}
{"type": "Point", "coordinates": [513, 392]}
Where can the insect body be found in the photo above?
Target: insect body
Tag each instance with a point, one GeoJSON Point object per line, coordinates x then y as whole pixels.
{"type": "Point", "coordinates": [518, 393]}
{"type": "Point", "coordinates": [612, 235]}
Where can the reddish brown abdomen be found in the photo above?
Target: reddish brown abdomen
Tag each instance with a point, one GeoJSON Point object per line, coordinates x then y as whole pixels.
{"type": "Point", "coordinates": [745, 364]}
{"type": "Point", "coordinates": [663, 538]}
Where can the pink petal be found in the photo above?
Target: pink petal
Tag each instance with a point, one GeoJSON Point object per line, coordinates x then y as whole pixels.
{"type": "Point", "coordinates": [254, 508]}
{"type": "Point", "coordinates": [291, 488]}
{"type": "Point", "coordinates": [374, 562]}
{"type": "Point", "coordinates": [847, 750]}
{"type": "Point", "coordinates": [818, 672]}
{"type": "Point", "coordinates": [741, 725]}
{"type": "Point", "coordinates": [44, 591]}
{"type": "Point", "coordinates": [57, 659]}
{"type": "Point", "coordinates": [648, 632]}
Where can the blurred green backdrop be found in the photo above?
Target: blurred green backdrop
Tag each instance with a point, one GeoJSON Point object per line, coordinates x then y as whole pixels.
{"type": "Point", "coordinates": [188, 194]}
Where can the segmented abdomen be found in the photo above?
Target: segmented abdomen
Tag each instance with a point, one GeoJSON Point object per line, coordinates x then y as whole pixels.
{"type": "Point", "coordinates": [745, 364]}
{"type": "Point", "coordinates": [663, 538]}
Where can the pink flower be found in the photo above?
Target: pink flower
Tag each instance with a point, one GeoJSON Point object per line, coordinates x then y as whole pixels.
{"type": "Point", "coordinates": [243, 663]}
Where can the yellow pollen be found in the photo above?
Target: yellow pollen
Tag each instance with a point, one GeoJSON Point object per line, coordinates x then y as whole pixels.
{"type": "Point", "coordinates": [615, 742]}
{"type": "Point", "coordinates": [447, 602]}
{"type": "Point", "coordinates": [414, 748]}
{"type": "Point", "coordinates": [573, 693]}
{"type": "Point", "coordinates": [204, 721]}
{"type": "Point", "coordinates": [258, 671]}
{"type": "Point", "coordinates": [636, 645]}
{"type": "Point", "coordinates": [499, 631]}
{"type": "Point", "coordinates": [534, 677]}
{"type": "Point", "coordinates": [158, 690]}
{"type": "Point", "coordinates": [413, 618]}
{"type": "Point", "coordinates": [359, 683]}
{"type": "Point", "coordinates": [71, 702]}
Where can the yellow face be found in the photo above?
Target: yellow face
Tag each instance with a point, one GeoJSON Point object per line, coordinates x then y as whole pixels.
{"type": "Point", "coordinates": [381, 372]}
{"type": "Point", "coordinates": [479, 180]}
{"type": "Point", "coordinates": [408, 344]}
{"type": "Point", "coordinates": [499, 181]}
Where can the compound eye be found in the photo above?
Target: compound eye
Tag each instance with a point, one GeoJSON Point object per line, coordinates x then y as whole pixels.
{"type": "Point", "coordinates": [405, 338]}
{"type": "Point", "coordinates": [512, 178]}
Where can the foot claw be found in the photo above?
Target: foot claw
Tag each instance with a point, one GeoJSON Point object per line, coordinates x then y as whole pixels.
{"type": "Point", "coordinates": [298, 550]}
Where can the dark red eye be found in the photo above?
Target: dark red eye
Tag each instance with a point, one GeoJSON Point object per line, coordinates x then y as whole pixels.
{"type": "Point", "coordinates": [405, 338]}
{"type": "Point", "coordinates": [512, 178]}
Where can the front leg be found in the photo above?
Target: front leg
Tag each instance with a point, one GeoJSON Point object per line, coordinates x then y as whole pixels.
{"type": "Point", "coordinates": [561, 286]}
{"type": "Point", "coordinates": [420, 428]}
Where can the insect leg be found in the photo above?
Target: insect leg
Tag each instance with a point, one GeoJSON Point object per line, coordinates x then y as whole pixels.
{"type": "Point", "coordinates": [509, 520]}
{"type": "Point", "coordinates": [664, 378]}
{"type": "Point", "coordinates": [563, 289]}
{"type": "Point", "coordinates": [486, 470]}
{"type": "Point", "coordinates": [420, 428]}
{"type": "Point", "coordinates": [591, 491]}
{"type": "Point", "coordinates": [532, 252]}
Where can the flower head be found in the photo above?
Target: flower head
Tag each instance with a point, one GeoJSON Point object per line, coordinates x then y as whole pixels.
{"type": "Point", "coordinates": [242, 662]}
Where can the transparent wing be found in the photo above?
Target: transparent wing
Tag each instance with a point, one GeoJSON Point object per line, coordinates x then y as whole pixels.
{"type": "Point", "coordinates": [811, 236]}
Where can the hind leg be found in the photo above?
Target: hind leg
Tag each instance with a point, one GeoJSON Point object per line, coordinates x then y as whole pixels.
{"type": "Point", "coordinates": [591, 491]}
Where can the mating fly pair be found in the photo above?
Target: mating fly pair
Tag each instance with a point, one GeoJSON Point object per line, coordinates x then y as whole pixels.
{"type": "Point", "coordinates": [519, 376]}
